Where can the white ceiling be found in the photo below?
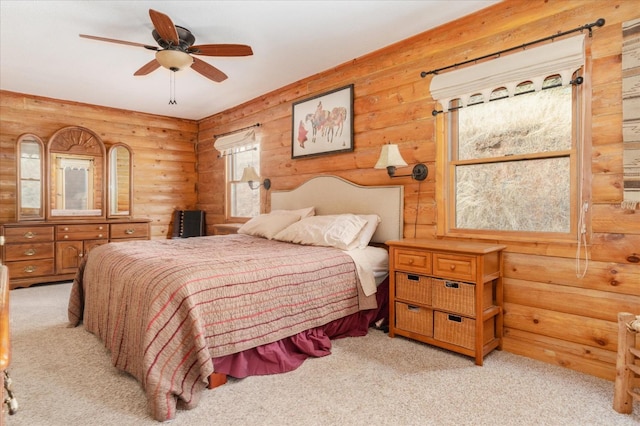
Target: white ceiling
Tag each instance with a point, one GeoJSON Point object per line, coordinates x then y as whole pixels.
{"type": "Point", "coordinates": [42, 54]}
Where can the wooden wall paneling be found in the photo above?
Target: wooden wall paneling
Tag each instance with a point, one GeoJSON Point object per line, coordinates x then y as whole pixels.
{"type": "Point", "coordinates": [572, 328]}
{"type": "Point", "coordinates": [605, 276]}
{"type": "Point", "coordinates": [597, 304]}
{"type": "Point", "coordinates": [558, 351]}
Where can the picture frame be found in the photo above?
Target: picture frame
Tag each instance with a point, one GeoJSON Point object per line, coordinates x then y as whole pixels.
{"type": "Point", "coordinates": [323, 124]}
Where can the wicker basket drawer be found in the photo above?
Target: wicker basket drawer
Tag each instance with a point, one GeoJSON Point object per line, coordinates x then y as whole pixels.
{"type": "Point", "coordinates": [412, 260]}
{"type": "Point", "coordinates": [413, 288]}
{"type": "Point", "coordinates": [454, 296]}
{"type": "Point", "coordinates": [454, 266]}
{"type": "Point", "coordinates": [414, 318]}
{"type": "Point", "coordinates": [459, 330]}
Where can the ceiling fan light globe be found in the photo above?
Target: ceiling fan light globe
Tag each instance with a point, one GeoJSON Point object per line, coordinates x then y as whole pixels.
{"type": "Point", "coordinates": [174, 60]}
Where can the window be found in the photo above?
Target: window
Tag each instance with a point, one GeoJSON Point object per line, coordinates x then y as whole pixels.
{"type": "Point", "coordinates": [242, 201]}
{"type": "Point", "coordinates": [513, 162]}
{"type": "Point", "coordinates": [240, 149]}
{"type": "Point", "coordinates": [512, 144]}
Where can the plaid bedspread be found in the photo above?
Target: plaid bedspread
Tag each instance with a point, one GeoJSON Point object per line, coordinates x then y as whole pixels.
{"type": "Point", "coordinates": [165, 308]}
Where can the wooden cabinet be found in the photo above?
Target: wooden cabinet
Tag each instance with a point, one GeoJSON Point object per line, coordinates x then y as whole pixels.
{"type": "Point", "coordinates": [447, 293]}
{"type": "Point", "coordinates": [41, 252]}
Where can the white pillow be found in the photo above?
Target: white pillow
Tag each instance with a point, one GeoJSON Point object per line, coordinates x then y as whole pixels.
{"type": "Point", "coordinates": [373, 220]}
{"type": "Point", "coordinates": [340, 231]}
{"type": "Point", "coordinates": [268, 225]}
{"type": "Point", "coordinates": [306, 212]}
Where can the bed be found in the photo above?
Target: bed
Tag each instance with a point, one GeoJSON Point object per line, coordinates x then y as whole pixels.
{"type": "Point", "coordinates": [177, 313]}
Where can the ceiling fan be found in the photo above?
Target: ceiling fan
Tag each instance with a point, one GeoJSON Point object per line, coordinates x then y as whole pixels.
{"type": "Point", "coordinates": [176, 49]}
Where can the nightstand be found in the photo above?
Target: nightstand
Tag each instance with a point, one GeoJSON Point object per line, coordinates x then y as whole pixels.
{"type": "Point", "coordinates": [447, 293]}
{"type": "Point", "coordinates": [226, 228]}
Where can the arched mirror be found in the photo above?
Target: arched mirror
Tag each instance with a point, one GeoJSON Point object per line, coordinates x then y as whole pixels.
{"type": "Point", "coordinates": [30, 172]}
{"type": "Point", "coordinates": [76, 174]}
{"type": "Point", "coordinates": [120, 171]}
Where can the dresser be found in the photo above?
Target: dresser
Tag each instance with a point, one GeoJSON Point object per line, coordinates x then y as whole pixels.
{"type": "Point", "coordinates": [447, 294]}
{"type": "Point", "coordinates": [41, 252]}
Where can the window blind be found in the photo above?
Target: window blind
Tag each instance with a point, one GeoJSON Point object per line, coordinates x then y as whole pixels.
{"type": "Point", "coordinates": [561, 57]}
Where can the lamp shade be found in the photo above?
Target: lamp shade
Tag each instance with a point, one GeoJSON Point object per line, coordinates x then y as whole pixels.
{"type": "Point", "coordinates": [390, 156]}
{"type": "Point", "coordinates": [174, 60]}
{"type": "Point", "coordinates": [249, 174]}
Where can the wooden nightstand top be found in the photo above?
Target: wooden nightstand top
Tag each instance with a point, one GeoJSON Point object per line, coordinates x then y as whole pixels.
{"type": "Point", "coordinates": [226, 228]}
{"type": "Point", "coordinates": [447, 245]}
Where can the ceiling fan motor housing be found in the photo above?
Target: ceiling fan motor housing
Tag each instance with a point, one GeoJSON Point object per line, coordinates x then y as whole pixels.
{"type": "Point", "coordinates": [184, 35]}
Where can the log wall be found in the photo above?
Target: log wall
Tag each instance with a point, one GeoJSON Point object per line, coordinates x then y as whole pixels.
{"type": "Point", "coordinates": [164, 160]}
{"type": "Point", "coordinates": [550, 314]}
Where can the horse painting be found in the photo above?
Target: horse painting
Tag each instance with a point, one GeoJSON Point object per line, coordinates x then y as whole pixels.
{"type": "Point", "coordinates": [327, 123]}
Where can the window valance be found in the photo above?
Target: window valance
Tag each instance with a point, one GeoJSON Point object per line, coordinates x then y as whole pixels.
{"type": "Point", "coordinates": [561, 57]}
{"type": "Point", "coordinates": [229, 143]}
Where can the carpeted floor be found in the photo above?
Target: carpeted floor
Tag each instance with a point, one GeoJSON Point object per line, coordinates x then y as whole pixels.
{"type": "Point", "coordinates": [63, 376]}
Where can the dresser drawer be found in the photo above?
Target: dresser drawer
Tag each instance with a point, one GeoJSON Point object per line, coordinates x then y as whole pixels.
{"type": "Point", "coordinates": [412, 260]}
{"type": "Point", "coordinates": [413, 318]}
{"type": "Point", "coordinates": [29, 251]}
{"type": "Point", "coordinates": [28, 235]}
{"type": "Point", "coordinates": [30, 268]}
{"type": "Point", "coordinates": [129, 231]}
{"type": "Point", "coordinates": [82, 232]}
{"type": "Point", "coordinates": [413, 288]}
{"type": "Point", "coordinates": [454, 266]}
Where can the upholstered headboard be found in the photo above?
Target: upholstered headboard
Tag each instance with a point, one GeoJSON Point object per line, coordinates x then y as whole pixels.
{"type": "Point", "coordinates": [335, 195]}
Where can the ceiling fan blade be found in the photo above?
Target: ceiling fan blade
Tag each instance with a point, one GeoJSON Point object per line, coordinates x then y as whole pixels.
{"type": "Point", "coordinates": [111, 40]}
{"type": "Point", "coordinates": [209, 71]}
{"type": "Point", "coordinates": [148, 67]}
{"type": "Point", "coordinates": [221, 50]}
{"type": "Point", "coordinates": [164, 26]}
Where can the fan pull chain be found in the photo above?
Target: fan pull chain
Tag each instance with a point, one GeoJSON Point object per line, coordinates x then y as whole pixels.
{"type": "Point", "coordinates": [172, 89]}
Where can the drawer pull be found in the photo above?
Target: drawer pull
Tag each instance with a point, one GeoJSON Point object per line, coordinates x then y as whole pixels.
{"type": "Point", "coordinates": [99, 235]}
{"type": "Point", "coordinates": [451, 284]}
{"type": "Point", "coordinates": [129, 231]}
{"type": "Point", "coordinates": [66, 237]}
{"type": "Point", "coordinates": [29, 252]}
{"type": "Point", "coordinates": [452, 267]}
{"type": "Point", "coordinates": [413, 308]}
{"type": "Point", "coordinates": [30, 269]}
{"type": "Point", "coordinates": [413, 277]}
{"type": "Point", "coordinates": [454, 318]}
{"type": "Point", "coordinates": [100, 228]}
{"type": "Point", "coordinates": [65, 229]}
{"type": "Point", "coordinates": [29, 234]}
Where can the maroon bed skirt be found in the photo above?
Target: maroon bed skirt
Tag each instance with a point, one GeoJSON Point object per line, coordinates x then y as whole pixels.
{"type": "Point", "coordinates": [289, 353]}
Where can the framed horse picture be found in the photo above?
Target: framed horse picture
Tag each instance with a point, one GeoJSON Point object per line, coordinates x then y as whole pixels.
{"type": "Point", "coordinates": [323, 124]}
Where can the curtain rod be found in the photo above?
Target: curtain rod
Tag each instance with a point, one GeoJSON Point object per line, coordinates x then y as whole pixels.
{"type": "Point", "coordinates": [236, 131]}
{"type": "Point", "coordinates": [598, 23]}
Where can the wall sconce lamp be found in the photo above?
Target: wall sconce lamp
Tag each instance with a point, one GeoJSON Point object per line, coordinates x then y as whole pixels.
{"type": "Point", "coordinates": [250, 176]}
{"type": "Point", "coordinates": [390, 158]}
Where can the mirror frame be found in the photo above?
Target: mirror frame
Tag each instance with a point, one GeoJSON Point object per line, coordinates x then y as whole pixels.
{"type": "Point", "coordinates": [75, 140]}
{"type": "Point", "coordinates": [110, 184]}
{"type": "Point", "coordinates": [20, 215]}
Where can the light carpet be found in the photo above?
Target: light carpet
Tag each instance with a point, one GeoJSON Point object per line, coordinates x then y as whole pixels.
{"type": "Point", "coordinates": [63, 376]}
